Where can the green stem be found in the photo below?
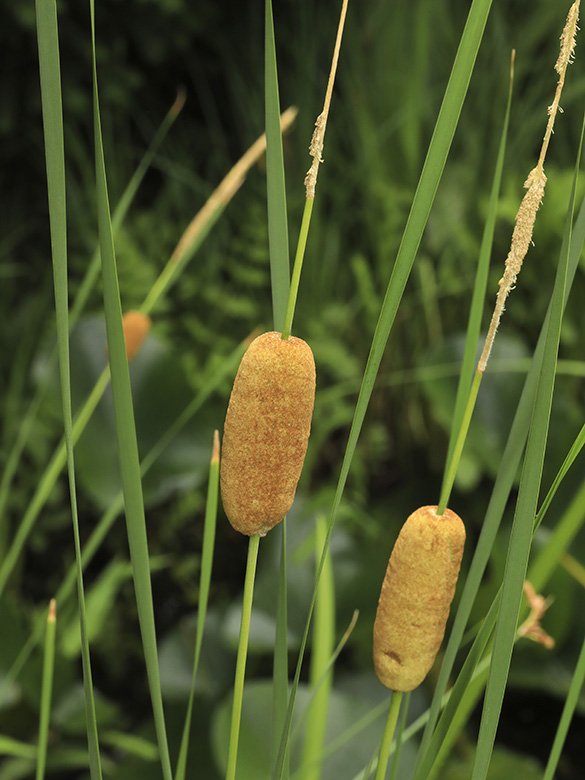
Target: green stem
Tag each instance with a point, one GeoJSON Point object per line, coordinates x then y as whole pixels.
{"type": "Point", "coordinates": [204, 584]}
{"type": "Point", "coordinates": [321, 673]}
{"type": "Point", "coordinates": [395, 702]}
{"type": "Point", "coordinates": [460, 443]}
{"type": "Point", "coordinates": [48, 481]}
{"type": "Point", "coordinates": [46, 691]}
{"type": "Point", "coordinates": [400, 738]}
{"type": "Point", "coordinates": [242, 655]}
{"type": "Point", "coordinates": [296, 275]}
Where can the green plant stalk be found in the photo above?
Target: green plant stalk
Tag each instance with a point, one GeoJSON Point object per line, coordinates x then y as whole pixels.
{"type": "Point", "coordinates": [333, 746]}
{"type": "Point", "coordinates": [241, 657]}
{"type": "Point", "coordinates": [322, 648]}
{"type": "Point", "coordinates": [126, 429]}
{"type": "Point", "coordinates": [280, 663]}
{"type": "Point", "coordinates": [564, 532]}
{"type": "Point", "coordinates": [561, 474]}
{"type": "Point", "coordinates": [399, 738]}
{"type": "Point", "coordinates": [297, 268]}
{"type": "Point", "coordinates": [275, 179]}
{"type": "Point", "coordinates": [395, 702]}
{"type": "Point", "coordinates": [567, 715]}
{"type": "Point", "coordinates": [46, 691]}
{"type": "Point", "coordinates": [176, 265]}
{"type": "Point", "coordinates": [48, 481]}
{"type": "Point", "coordinates": [480, 283]}
{"type": "Point", "coordinates": [93, 270]}
{"type": "Point", "coordinates": [204, 584]}
{"type": "Point", "coordinates": [460, 443]}
{"type": "Point", "coordinates": [52, 110]}
{"type": "Point", "coordinates": [14, 747]}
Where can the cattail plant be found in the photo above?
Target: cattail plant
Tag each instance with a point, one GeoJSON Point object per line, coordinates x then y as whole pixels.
{"type": "Point", "coordinates": [416, 596]}
{"type": "Point", "coordinates": [414, 606]}
{"type": "Point", "coordinates": [266, 432]}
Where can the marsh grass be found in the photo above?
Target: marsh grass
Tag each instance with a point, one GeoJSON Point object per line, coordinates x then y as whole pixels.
{"type": "Point", "coordinates": [485, 664]}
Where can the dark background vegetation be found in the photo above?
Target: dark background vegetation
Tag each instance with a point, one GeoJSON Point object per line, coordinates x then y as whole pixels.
{"type": "Point", "coordinates": [394, 66]}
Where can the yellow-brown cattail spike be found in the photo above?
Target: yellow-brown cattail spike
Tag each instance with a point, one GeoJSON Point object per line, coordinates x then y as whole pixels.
{"type": "Point", "coordinates": [416, 596]}
{"type": "Point", "coordinates": [136, 327]}
{"type": "Point", "coordinates": [266, 432]}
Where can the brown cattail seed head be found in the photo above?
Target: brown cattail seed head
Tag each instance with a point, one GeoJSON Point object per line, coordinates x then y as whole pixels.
{"type": "Point", "coordinates": [266, 432]}
{"type": "Point", "coordinates": [416, 596]}
{"type": "Point", "coordinates": [136, 327]}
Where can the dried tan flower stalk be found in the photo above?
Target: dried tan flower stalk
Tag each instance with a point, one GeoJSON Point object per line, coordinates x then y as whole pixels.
{"type": "Point", "coordinates": [531, 628]}
{"type": "Point", "coordinates": [535, 184]}
{"type": "Point", "coordinates": [316, 147]}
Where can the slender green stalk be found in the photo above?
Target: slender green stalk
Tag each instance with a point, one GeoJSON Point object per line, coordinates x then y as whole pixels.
{"type": "Point", "coordinates": [386, 745]}
{"type": "Point", "coordinates": [51, 97]}
{"type": "Point", "coordinates": [296, 276]}
{"type": "Point", "coordinates": [480, 283]}
{"type": "Point", "coordinates": [322, 648]}
{"type": "Point", "coordinates": [242, 655]}
{"type": "Point", "coordinates": [460, 443]}
{"type": "Point", "coordinates": [567, 715]}
{"type": "Point", "coordinates": [126, 428]}
{"type": "Point", "coordinates": [46, 690]}
{"type": "Point", "coordinates": [204, 583]}
{"type": "Point", "coordinates": [280, 663]}
{"type": "Point", "coordinates": [48, 481]}
{"type": "Point", "coordinates": [399, 738]}
{"type": "Point", "coordinates": [275, 179]}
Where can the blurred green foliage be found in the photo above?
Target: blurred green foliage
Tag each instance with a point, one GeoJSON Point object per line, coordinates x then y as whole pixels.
{"type": "Point", "coordinates": [395, 61]}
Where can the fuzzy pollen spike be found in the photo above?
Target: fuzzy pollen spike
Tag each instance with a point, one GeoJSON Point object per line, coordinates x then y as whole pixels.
{"type": "Point", "coordinates": [266, 432]}
{"type": "Point", "coordinates": [416, 597]}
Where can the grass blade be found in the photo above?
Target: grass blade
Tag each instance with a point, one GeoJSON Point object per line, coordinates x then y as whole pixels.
{"type": "Point", "coordinates": [321, 651]}
{"type": "Point", "coordinates": [399, 736]}
{"type": "Point", "coordinates": [521, 535]}
{"type": "Point", "coordinates": [204, 584]}
{"type": "Point", "coordinates": [126, 432]}
{"type": "Point", "coordinates": [280, 663]}
{"type": "Point", "coordinates": [564, 533]}
{"type": "Point", "coordinates": [277, 218]}
{"type": "Point", "coordinates": [427, 187]}
{"type": "Point", "coordinates": [567, 715]}
{"type": "Point", "coordinates": [46, 690]}
{"type": "Point", "coordinates": [280, 286]}
{"type": "Point", "coordinates": [242, 655]}
{"type": "Point", "coordinates": [50, 73]}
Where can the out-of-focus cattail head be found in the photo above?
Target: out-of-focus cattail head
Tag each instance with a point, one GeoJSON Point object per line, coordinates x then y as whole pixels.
{"type": "Point", "coordinates": [266, 432]}
{"type": "Point", "coordinates": [416, 596]}
{"type": "Point", "coordinates": [136, 327]}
